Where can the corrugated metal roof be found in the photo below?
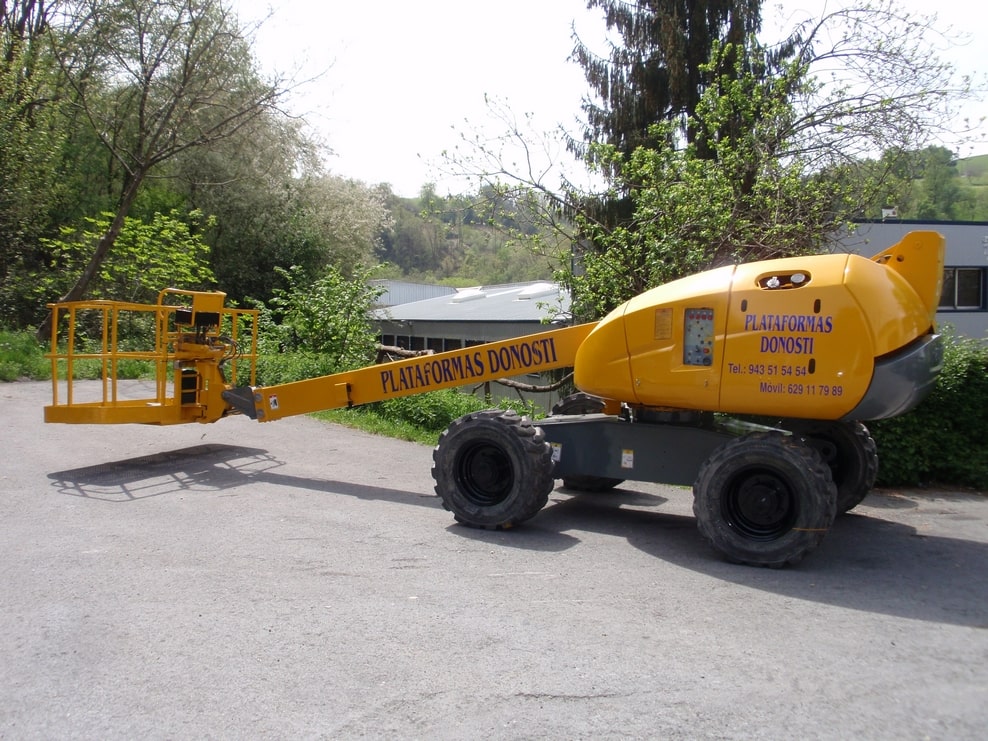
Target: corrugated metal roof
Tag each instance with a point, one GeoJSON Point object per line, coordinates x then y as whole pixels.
{"type": "Point", "coordinates": [512, 302]}
{"type": "Point", "coordinates": [403, 292]}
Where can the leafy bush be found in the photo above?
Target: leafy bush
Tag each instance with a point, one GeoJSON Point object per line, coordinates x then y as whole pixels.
{"type": "Point", "coordinates": [314, 328]}
{"type": "Point", "coordinates": [293, 366]}
{"type": "Point", "coordinates": [945, 439]}
{"type": "Point", "coordinates": [22, 357]}
{"type": "Point", "coordinates": [146, 257]}
{"type": "Point", "coordinates": [327, 317]}
{"type": "Point", "coordinates": [431, 412]}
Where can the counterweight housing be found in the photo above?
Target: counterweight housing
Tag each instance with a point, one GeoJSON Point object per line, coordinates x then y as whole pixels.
{"type": "Point", "coordinates": [806, 337]}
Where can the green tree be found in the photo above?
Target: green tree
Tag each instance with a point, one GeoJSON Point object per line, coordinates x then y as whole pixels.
{"type": "Point", "coordinates": [344, 218]}
{"type": "Point", "coordinates": [166, 252]}
{"type": "Point", "coordinates": [328, 317]}
{"type": "Point", "coordinates": [274, 206]}
{"type": "Point", "coordinates": [940, 191]}
{"type": "Point", "coordinates": [31, 135]}
{"type": "Point", "coordinates": [923, 184]}
{"type": "Point", "coordinates": [153, 79]}
{"type": "Point", "coordinates": [787, 145]}
{"type": "Point", "coordinates": [660, 68]}
{"type": "Point", "coordinates": [251, 183]}
{"type": "Point", "coordinates": [690, 211]}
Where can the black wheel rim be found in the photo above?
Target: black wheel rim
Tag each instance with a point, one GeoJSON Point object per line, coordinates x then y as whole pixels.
{"type": "Point", "coordinates": [761, 505]}
{"type": "Point", "coordinates": [484, 474]}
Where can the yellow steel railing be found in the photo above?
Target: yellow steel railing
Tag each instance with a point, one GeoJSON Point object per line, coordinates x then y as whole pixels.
{"type": "Point", "coordinates": [198, 349]}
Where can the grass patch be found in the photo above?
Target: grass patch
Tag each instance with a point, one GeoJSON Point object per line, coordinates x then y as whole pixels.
{"type": "Point", "coordinates": [974, 170]}
{"type": "Point", "coordinates": [22, 358]}
{"type": "Point", "coordinates": [368, 420]}
{"type": "Point", "coordinates": [420, 418]}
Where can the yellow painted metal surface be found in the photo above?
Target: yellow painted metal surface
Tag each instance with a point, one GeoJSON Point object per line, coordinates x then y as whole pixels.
{"type": "Point", "coordinates": [802, 352]}
{"type": "Point", "coordinates": [543, 351]}
{"type": "Point", "coordinates": [796, 337]}
{"type": "Point", "coordinates": [188, 363]}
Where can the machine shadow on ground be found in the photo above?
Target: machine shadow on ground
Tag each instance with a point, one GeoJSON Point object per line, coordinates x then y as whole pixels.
{"type": "Point", "coordinates": [210, 467]}
{"type": "Point", "coordinates": [865, 563]}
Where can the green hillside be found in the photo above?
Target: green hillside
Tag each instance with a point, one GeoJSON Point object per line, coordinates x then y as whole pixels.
{"type": "Point", "coordinates": [973, 171]}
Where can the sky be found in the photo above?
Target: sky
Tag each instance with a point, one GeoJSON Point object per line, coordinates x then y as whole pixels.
{"type": "Point", "coordinates": [392, 84]}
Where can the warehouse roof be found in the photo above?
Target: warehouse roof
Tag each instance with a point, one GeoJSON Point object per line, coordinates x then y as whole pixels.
{"type": "Point", "coordinates": [511, 302]}
{"type": "Point", "coordinates": [404, 292]}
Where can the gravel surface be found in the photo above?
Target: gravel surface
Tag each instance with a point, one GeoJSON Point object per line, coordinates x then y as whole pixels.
{"type": "Point", "coordinates": [300, 580]}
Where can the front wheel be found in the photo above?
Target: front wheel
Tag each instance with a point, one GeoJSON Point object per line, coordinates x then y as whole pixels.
{"type": "Point", "coordinates": [764, 500]}
{"type": "Point", "coordinates": [493, 469]}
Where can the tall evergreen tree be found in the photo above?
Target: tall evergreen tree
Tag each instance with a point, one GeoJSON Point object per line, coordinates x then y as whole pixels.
{"type": "Point", "coordinates": [655, 73]}
{"type": "Point", "coordinates": [646, 92]}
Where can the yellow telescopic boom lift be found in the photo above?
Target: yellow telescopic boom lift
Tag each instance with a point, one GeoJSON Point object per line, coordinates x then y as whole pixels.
{"type": "Point", "coordinates": [812, 346]}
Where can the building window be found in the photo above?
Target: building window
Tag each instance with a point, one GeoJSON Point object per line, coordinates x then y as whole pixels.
{"type": "Point", "coordinates": [963, 289]}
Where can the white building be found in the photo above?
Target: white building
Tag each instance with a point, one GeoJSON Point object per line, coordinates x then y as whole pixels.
{"type": "Point", "coordinates": [473, 316]}
{"type": "Point", "coordinates": [964, 300]}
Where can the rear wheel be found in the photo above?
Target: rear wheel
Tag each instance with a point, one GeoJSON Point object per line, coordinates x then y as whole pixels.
{"type": "Point", "coordinates": [850, 452]}
{"type": "Point", "coordinates": [764, 500]}
{"type": "Point", "coordinates": [493, 469]}
{"type": "Point", "coordinates": [581, 403]}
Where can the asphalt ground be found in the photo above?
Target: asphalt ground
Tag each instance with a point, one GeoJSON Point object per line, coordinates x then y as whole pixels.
{"type": "Point", "coordinates": [300, 580]}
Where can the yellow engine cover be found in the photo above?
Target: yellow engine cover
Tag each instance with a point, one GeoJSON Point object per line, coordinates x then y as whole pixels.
{"type": "Point", "coordinates": [795, 337]}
